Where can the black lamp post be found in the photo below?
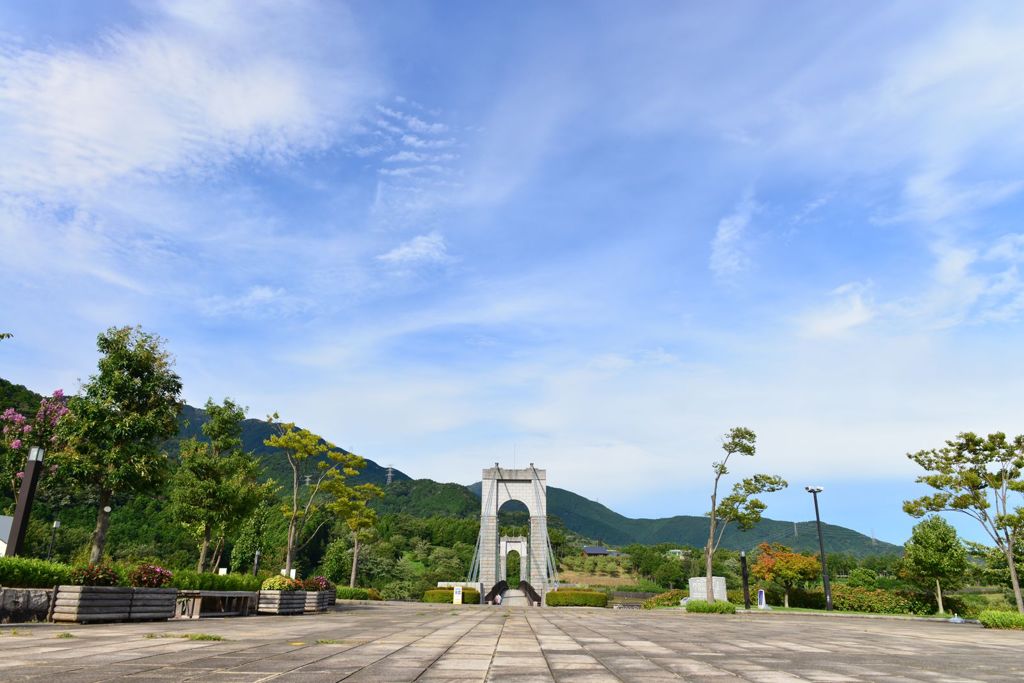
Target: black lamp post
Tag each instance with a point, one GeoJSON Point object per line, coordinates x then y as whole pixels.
{"type": "Point", "coordinates": [814, 491]}
{"type": "Point", "coordinates": [26, 494]}
{"type": "Point", "coordinates": [746, 580]}
{"type": "Point", "coordinates": [53, 536]}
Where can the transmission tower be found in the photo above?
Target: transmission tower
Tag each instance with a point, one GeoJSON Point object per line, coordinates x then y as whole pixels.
{"type": "Point", "coordinates": [391, 475]}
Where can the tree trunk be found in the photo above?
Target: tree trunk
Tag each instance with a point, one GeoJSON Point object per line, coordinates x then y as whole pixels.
{"type": "Point", "coordinates": [289, 556]}
{"type": "Point", "coordinates": [938, 595]}
{"type": "Point", "coordinates": [203, 548]}
{"type": "Point", "coordinates": [218, 550]}
{"type": "Point", "coordinates": [99, 534]}
{"type": "Point", "coordinates": [1014, 581]}
{"type": "Point", "coordinates": [291, 548]}
{"type": "Point", "coordinates": [709, 552]}
{"type": "Point", "coordinates": [355, 561]}
{"type": "Point", "coordinates": [785, 597]}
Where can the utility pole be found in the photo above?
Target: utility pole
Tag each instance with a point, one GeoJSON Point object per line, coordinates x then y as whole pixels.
{"type": "Point", "coordinates": [814, 491]}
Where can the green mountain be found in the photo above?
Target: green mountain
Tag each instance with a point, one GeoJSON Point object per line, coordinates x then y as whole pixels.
{"type": "Point", "coordinates": [424, 498]}
{"type": "Point", "coordinates": [595, 521]}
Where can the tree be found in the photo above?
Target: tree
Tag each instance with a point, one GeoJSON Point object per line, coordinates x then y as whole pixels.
{"type": "Point", "coordinates": [302, 448]}
{"type": "Point", "coordinates": [978, 476]}
{"type": "Point", "coordinates": [5, 335]}
{"type": "Point", "coordinates": [216, 485]}
{"type": "Point", "coordinates": [780, 565]}
{"type": "Point", "coordinates": [740, 506]}
{"type": "Point", "coordinates": [18, 433]}
{"type": "Point", "coordinates": [116, 425]}
{"type": "Point", "coordinates": [351, 503]}
{"type": "Point", "coordinates": [934, 556]}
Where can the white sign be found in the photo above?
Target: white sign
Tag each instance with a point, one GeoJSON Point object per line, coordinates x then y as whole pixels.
{"type": "Point", "coordinates": [457, 595]}
{"type": "Point", "coordinates": [223, 571]}
{"type": "Point", "coordinates": [761, 602]}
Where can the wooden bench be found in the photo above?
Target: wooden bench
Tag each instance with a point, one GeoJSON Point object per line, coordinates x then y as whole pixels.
{"type": "Point", "coordinates": [200, 604]}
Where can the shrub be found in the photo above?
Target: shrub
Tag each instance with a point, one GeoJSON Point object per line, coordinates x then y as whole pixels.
{"type": "Point", "coordinates": [345, 593]}
{"type": "Point", "coordinates": [25, 572]}
{"type": "Point", "coordinates": [398, 590]}
{"type": "Point", "coordinates": [878, 601]}
{"type": "Point", "coordinates": [861, 577]}
{"type": "Point", "coordinates": [704, 607]}
{"type": "Point", "coordinates": [470, 596]}
{"type": "Point", "coordinates": [150, 576]}
{"type": "Point", "coordinates": [185, 579]}
{"type": "Point", "coordinates": [374, 594]}
{"type": "Point", "coordinates": [318, 583]}
{"type": "Point", "coordinates": [280, 583]}
{"type": "Point", "coordinates": [994, 619]}
{"type": "Point", "coordinates": [668, 599]}
{"type": "Point", "coordinates": [96, 575]}
{"type": "Point", "coordinates": [574, 598]}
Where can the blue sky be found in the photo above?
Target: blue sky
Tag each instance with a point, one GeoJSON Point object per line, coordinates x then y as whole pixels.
{"type": "Point", "coordinates": [589, 235]}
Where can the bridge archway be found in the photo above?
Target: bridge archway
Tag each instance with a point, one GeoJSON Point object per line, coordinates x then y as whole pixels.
{"type": "Point", "coordinates": [528, 486]}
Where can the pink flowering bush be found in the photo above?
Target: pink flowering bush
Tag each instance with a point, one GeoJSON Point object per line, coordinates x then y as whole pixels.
{"type": "Point", "coordinates": [150, 576]}
{"type": "Point", "coordinates": [101, 574]}
{"type": "Point", "coordinates": [18, 433]}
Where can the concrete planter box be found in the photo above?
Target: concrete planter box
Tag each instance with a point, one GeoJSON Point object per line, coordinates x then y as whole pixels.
{"type": "Point", "coordinates": [317, 601]}
{"type": "Point", "coordinates": [24, 604]}
{"type": "Point", "coordinates": [86, 604]}
{"type": "Point", "coordinates": [282, 602]}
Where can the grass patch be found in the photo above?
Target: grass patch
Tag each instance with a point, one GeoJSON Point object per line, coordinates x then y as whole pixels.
{"type": "Point", "coordinates": [1010, 620]}
{"type": "Point", "coordinates": [186, 636]}
{"type": "Point", "coordinates": [64, 634]}
{"type": "Point", "coordinates": [811, 610]}
{"type": "Point", "coordinates": [328, 641]}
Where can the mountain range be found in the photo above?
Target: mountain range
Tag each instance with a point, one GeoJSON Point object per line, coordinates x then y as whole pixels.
{"type": "Point", "coordinates": [590, 519]}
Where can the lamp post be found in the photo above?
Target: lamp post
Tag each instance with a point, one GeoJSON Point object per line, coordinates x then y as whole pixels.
{"type": "Point", "coordinates": [256, 563]}
{"type": "Point", "coordinates": [814, 491]}
{"type": "Point", "coordinates": [53, 535]}
{"type": "Point", "coordinates": [746, 580]}
{"type": "Point", "coordinates": [26, 494]}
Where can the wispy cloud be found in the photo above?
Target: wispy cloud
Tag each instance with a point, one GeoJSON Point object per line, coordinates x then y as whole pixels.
{"type": "Point", "coordinates": [850, 307]}
{"type": "Point", "coordinates": [730, 248]}
{"type": "Point", "coordinates": [422, 249]}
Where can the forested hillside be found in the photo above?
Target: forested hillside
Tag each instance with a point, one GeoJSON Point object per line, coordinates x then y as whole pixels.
{"type": "Point", "coordinates": [587, 518]}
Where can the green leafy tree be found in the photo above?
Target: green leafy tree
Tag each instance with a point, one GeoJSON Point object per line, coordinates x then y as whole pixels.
{"type": "Point", "coordinates": [327, 468]}
{"type": "Point", "coordinates": [5, 335]}
{"type": "Point", "coordinates": [981, 478]}
{"type": "Point", "coordinates": [935, 556]}
{"type": "Point", "coordinates": [216, 485]}
{"type": "Point", "coordinates": [352, 504]}
{"type": "Point", "coordinates": [116, 425]}
{"type": "Point", "coordinates": [780, 565]}
{"type": "Point", "coordinates": [741, 506]}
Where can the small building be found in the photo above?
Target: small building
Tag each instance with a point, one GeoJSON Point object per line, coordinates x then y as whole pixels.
{"type": "Point", "coordinates": [595, 551]}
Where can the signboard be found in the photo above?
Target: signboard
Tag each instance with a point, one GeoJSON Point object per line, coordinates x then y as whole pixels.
{"type": "Point", "coordinates": [457, 595]}
{"type": "Point", "coordinates": [761, 602]}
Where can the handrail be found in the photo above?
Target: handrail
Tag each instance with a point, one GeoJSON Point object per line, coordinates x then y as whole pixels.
{"type": "Point", "coordinates": [534, 596]}
{"type": "Point", "coordinates": [499, 588]}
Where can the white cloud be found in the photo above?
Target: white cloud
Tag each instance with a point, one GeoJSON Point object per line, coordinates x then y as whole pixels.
{"type": "Point", "coordinates": [849, 309]}
{"type": "Point", "coordinates": [423, 249]}
{"type": "Point", "coordinates": [731, 246]}
{"type": "Point", "coordinates": [187, 93]}
{"type": "Point", "coordinates": [258, 301]}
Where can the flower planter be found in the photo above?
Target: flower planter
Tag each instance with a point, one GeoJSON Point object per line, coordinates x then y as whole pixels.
{"type": "Point", "coordinates": [317, 601]}
{"type": "Point", "coordinates": [282, 602]}
{"type": "Point", "coordinates": [86, 604]}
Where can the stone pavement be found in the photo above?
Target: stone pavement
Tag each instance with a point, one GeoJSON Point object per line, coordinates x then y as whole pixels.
{"type": "Point", "coordinates": [408, 642]}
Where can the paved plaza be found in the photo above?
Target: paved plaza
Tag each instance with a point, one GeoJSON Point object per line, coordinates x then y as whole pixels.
{"type": "Point", "coordinates": [405, 642]}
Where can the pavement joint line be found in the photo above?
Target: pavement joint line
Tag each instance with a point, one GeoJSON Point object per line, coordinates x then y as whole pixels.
{"type": "Point", "coordinates": [447, 649]}
{"type": "Point", "coordinates": [543, 654]}
{"type": "Point", "coordinates": [595, 655]}
{"type": "Point", "coordinates": [490, 662]}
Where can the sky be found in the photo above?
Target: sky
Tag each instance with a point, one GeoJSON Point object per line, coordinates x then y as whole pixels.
{"type": "Point", "coordinates": [589, 235]}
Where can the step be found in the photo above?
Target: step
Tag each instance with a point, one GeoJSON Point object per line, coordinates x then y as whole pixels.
{"type": "Point", "coordinates": [514, 597]}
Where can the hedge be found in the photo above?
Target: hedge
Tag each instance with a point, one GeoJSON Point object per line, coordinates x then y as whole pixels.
{"type": "Point", "coordinates": [191, 580]}
{"type": "Point", "coordinates": [26, 572]}
{"type": "Point", "coordinates": [852, 599]}
{"type": "Point", "coordinates": [470, 596]}
{"type": "Point", "coordinates": [346, 593]}
{"type": "Point", "coordinates": [993, 619]}
{"type": "Point", "coordinates": [576, 598]}
{"type": "Point", "coordinates": [667, 599]}
{"type": "Point", "coordinates": [704, 607]}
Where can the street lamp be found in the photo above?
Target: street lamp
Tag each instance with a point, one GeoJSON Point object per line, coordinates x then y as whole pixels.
{"type": "Point", "coordinates": [53, 535]}
{"type": "Point", "coordinates": [746, 579]}
{"type": "Point", "coordinates": [26, 494]}
{"type": "Point", "coordinates": [814, 491]}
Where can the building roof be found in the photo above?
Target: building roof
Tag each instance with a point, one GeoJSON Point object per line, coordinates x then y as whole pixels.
{"type": "Point", "coordinates": [594, 550]}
